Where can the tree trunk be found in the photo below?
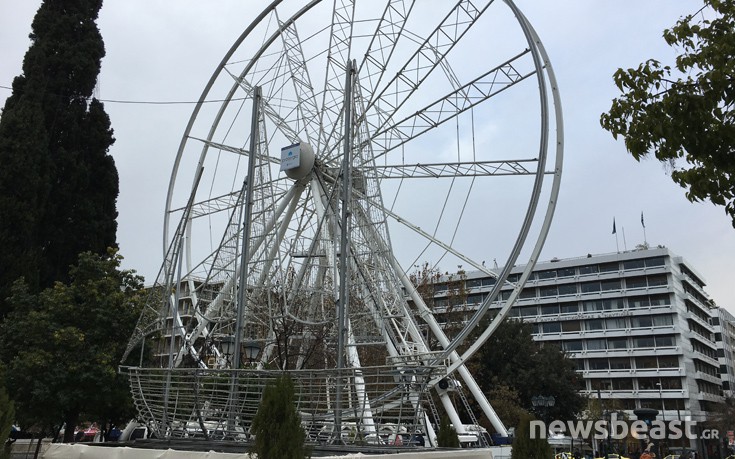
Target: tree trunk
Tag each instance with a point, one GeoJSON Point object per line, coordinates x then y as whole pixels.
{"type": "Point", "coordinates": [70, 419]}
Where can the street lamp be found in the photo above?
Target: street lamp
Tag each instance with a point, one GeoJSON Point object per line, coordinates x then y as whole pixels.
{"type": "Point", "coordinates": [661, 398]}
{"type": "Point", "coordinates": [227, 347]}
{"type": "Point", "coordinates": [663, 413]}
{"type": "Point", "coordinates": [252, 350]}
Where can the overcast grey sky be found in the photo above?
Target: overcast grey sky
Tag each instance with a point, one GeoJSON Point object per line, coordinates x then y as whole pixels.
{"type": "Point", "coordinates": [165, 50]}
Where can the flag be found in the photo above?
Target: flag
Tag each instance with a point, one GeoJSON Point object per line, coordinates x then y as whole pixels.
{"type": "Point", "coordinates": [643, 224]}
{"type": "Point", "coordinates": [614, 230]}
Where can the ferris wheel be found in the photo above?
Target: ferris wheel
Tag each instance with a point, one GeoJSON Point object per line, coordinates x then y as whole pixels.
{"type": "Point", "coordinates": [337, 148]}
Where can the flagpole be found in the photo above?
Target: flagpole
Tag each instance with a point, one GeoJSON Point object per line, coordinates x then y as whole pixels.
{"type": "Point", "coordinates": [625, 244]}
{"type": "Point", "coordinates": [615, 232]}
{"type": "Point", "coordinates": [643, 224]}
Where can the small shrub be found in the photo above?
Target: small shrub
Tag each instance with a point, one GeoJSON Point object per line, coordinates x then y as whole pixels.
{"type": "Point", "coordinates": [277, 425]}
{"type": "Point", "coordinates": [525, 447]}
{"type": "Point", "coordinates": [447, 436]}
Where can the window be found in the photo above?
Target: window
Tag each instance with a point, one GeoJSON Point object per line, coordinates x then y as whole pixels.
{"type": "Point", "coordinates": [612, 284]}
{"type": "Point", "coordinates": [665, 341]}
{"type": "Point", "coordinates": [609, 267]}
{"type": "Point", "coordinates": [548, 291]}
{"type": "Point", "coordinates": [616, 323]}
{"type": "Point", "coordinates": [615, 303]}
{"type": "Point", "coordinates": [644, 341]}
{"type": "Point", "coordinates": [598, 364]}
{"type": "Point", "coordinates": [601, 384]}
{"type": "Point", "coordinates": [648, 384]}
{"type": "Point", "coordinates": [589, 269]}
{"type": "Point", "coordinates": [654, 404]}
{"type": "Point", "coordinates": [592, 306]}
{"type": "Point", "coordinates": [660, 300]}
{"type": "Point", "coordinates": [638, 302]}
{"type": "Point", "coordinates": [565, 272]}
{"type": "Point", "coordinates": [572, 346]}
{"type": "Point", "coordinates": [527, 293]}
{"type": "Point", "coordinates": [551, 327]}
{"type": "Point", "coordinates": [571, 326]}
{"type": "Point", "coordinates": [651, 262]}
{"type": "Point", "coordinates": [658, 280]}
{"type": "Point", "coordinates": [548, 274]}
{"type": "Point", "coordinates": [514, 278]}
{"type": "Point", "coordinates": [569, 308]}
{"type": "Point", "coordinates": [633, 264]}
{"type": "Point", "coordinates": [528, 311]}
{"type": "Point", "coordinates": [635, 282]}
{"type": "Point", "coordinates": [641, 322]}
{"type": "Point", "coordinates": [596, 344]}
{"type": "Point", "coordinates": [617, 343]}
{"type": "Point", "coordinates": [551, 309]}
{"type": "Point", "coordinates": [568, 289]}
{"type": "Point", "coordinates": [488, 282]}
{"type": "Point", "coordinates": [622, 384]}
{"type": "Point", "coordinates": [619, 363]}
{"type": "Point", "coordinates": [472, 283]}
{"type": "Point", "coordinates": [643, 363]}
{"type": "Point", "coordinates": [670, 383]}
{"type": "Point", "coordinates": [594, 325]}
{"type": "Point", "coordinates": [668, 361]}
{"type": "Point", "coordinates": [475, 298]}
{"type": "Point", "coordinates": [662, 321]}
{"type": "Point", "coordinates": [590, 287]}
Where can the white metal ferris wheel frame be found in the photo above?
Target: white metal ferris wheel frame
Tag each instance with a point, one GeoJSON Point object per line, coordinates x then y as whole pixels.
{"type": "Point", "coordinates": [543, 71]}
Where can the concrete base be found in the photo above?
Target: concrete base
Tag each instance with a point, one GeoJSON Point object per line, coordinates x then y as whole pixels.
{"type": "Point", "coordinates": [74, 451]}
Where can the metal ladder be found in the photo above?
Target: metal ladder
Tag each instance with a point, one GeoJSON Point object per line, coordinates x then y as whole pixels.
{"type": "Point", "coordinates": [473, 419]}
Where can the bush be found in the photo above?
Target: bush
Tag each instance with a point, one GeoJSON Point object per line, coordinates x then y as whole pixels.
{"type": "Point", "coordinates": [277, 425]}
{"type": "Point", "coordinates": [447, 436]}
{"type": "Point", "coordinates": [524, 447]}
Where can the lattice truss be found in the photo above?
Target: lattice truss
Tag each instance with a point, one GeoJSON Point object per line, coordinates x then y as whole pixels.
{"type": "Point", "coordinates": [394, 62]}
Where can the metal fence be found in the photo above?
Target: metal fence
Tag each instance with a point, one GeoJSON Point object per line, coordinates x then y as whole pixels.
{"type": "Point", "coordinates": [379, 405]}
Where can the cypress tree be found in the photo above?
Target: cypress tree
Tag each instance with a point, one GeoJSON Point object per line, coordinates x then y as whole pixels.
{"type": "Point", "coordinates": [277, 424]}
{"type": "Point", "coordinates": [58, 184]}
{"type": "Point", "coordinates": [525, 447]}
{"type": "Point", "coordinates": [447, 436]}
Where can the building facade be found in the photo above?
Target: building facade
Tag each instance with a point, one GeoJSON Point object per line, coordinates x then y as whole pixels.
{"type": "Point", "coordinates": [637, 324]}
{"type": "Point", "coordinates": [724, 327]}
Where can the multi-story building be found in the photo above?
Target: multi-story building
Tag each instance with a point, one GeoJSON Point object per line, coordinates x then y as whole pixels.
{"type": "Point", "coordinates": [724, 327]}
{"type": "Point", "coordinates": [636, 323]}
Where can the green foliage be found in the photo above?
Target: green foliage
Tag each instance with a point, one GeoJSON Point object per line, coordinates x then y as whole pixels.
{"type": "Point", "coordinates": [7, 416]}
{"type": "Point", "coordinates": [507, 404]}
{"type": "Point", "coordinates": [58, 184]}
{"type": "Point", "coordinates": [277, 424]}
{"type": "Point", "coordinates": [513, 359]}
{"type": "Point", "coordinates": [447, 436]}
{"type": "Point", "coordinates": [686, 112]}
{"type": "Point", "coordinates": [524, 447]}
{"type": "Point", "coordinates": [62, 346]}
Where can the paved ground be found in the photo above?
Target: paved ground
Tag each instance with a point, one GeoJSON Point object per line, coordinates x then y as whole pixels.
{"type": "Point", "coordinates": [74, 451]}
